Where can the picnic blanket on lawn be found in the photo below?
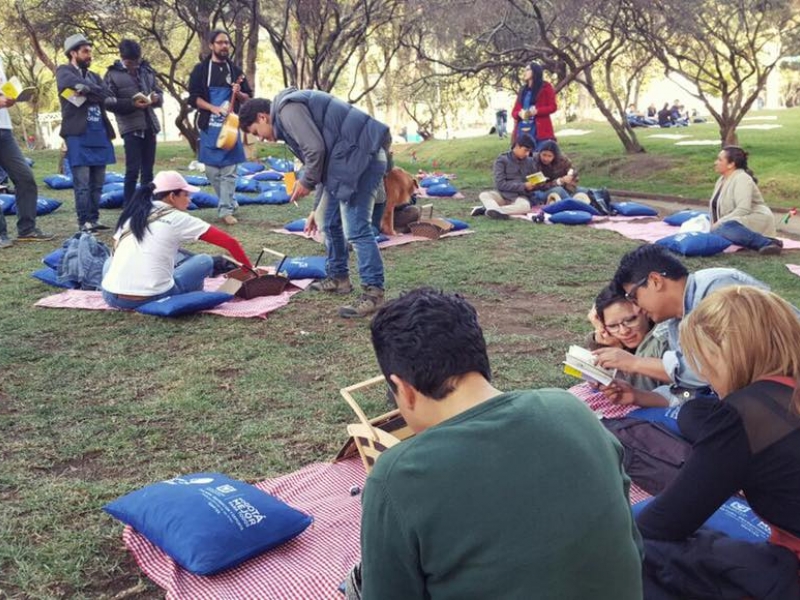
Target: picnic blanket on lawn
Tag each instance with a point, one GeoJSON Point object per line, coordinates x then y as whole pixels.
{"type": "Point", "coordinates": [238, 308]}
{"type": "Point", "coordinates": [794, 269]}
{"type": "Point", "coordinates": [616, 218]}
{"type": "Point", "coordinates": [653, 231]}
{"type": "Point", "coordinates": [395, 240]}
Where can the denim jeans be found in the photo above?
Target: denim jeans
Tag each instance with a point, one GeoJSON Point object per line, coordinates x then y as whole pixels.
{"type": "Point", "coordinates": [352, 220]}
{"type": "Point", "coordinates": [140, 156]}
{"type": "Point", "coordinates": [21, 175]}
{"type": "Point", "coordinates": [224, 181]}
{"type": "Point", "coordinates": [540, 197]}
{"type": "Point", "coordinates": [88, 183]}
{"type": "Point", "coordinates": [735, 232]}
{"type": "Point", "coordinates": [188, 277]}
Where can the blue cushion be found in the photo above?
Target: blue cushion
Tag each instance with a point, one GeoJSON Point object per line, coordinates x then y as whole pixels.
{"type": "Point", "coordinates": [457, 224]}
{"type": "Point", "coordinates": [248, 168]}
{"type": "Point", "coordinates": [694, 243]}
{"type": "Point", "coordinates": [67, 167]}
{"type": "Point", "coordinates": [114, 199]}
{"type": "Point", "coordinates": [112, 177]}
{"type": "Point", "coordinates": [266, 186]}
{"type": "Point", "coordinates": [680, 217]}
{"type": "Point", "coordinates": [429, 181]}
{"type": "Point", "coordinates": [569, 204]}
{"type": "Point", "coordinates": [50, 277]}
{"type": "Point", "coordinates": [276, 196]}
{"type": "Point", "coordinates": [53, 259]}
{"type": "Point", "coordinates": [8, 203]}
{"type": "Point", "coordinates": [113, 187]}
{"type": "Point", "coordinates": [58, 182]}
{"type": "Point", "coordinates": [444, 190]}
{"type": "Point", "coordinates": [204, 200]}
{"type": "Point", "coordinates": [296, 225]}
{"type": "Point", "coordinates": [304, 267]}
{"type": "Point", "coordinates": [192, 206]}
{"type": "Point", "coordinates": [571, 217]}
{"type": "Point", "coordinates": [200, 180]}
{"type": "Point", "coordinates": [268, 176]}
{"type": "Point", "coordinates": [208, 522]}
{"type": "Point", "coordinates": [634, 209]}
{"type": "Point", "coordinates": [246, 185]}
{"type": "Point", "coordinates": [44, 206]}
{"type": "Point", "coordinates": [184, 304]}
{"type": "Point", "coordinates": [668, 417]}
{"type": "Point", "coordinates": [734, 518]}
{"type": "Point", "coordinates": [280, 164]}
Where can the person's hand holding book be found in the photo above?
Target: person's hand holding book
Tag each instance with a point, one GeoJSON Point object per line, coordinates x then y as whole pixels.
{"type": "Point", "coordinates": [6, 102]}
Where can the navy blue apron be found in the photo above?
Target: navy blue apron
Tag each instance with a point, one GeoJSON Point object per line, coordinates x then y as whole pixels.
{"type": "Point", "coordinates": [527, 126]}
{"type": "Point", "coordinates": [209, 153]}
{"type": "Point", "coordinates": [92, 148]}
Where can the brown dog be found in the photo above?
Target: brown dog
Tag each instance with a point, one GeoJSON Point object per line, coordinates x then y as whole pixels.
{"type": "Point", "coordinates": [400, 186]}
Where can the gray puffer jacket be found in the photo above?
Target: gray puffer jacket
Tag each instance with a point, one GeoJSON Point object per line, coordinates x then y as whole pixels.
{"type": "Point", "coordinates": [510, 175]}
{"type": "Point", "coordinates": [124, 86]}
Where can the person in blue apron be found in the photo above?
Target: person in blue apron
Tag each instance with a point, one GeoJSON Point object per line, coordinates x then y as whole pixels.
{"type": "Point", "coordinates": [217, 86]}
{"type": "Point", "coordinates": [85, 128]}
{"type": "Point", "coordinates": [535, 103]}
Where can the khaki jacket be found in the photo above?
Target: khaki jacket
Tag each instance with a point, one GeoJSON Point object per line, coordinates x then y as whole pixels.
{"type": "Point", "coordinates": [741, 200]}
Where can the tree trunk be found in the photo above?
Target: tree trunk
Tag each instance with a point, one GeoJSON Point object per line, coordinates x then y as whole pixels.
{"type": "Point", "coordinates": [727, 133]}
{"type": "Point", "coordinates": [624, 131]}
{"type": "Point", "coordinates": [187, 127]}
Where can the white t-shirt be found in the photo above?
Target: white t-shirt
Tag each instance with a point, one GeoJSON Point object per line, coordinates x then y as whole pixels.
{"type": "Point", "coordinates": [145, 268]}
{"type": "Point", "coordinates": [5, 118]}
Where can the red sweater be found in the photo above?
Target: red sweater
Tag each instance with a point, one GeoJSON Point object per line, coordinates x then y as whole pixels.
{"type": "Point", "coordinates": [545, 104]}
{"type": "Point", "coordinates": [223, 240]}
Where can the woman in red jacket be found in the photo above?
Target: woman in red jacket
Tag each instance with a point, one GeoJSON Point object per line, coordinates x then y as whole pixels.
{"type": "Point", "coordinates": [536, 101]}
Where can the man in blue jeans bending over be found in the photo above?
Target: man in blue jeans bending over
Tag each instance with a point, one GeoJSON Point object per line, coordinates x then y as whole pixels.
{"type": "Point", "coordinates": [345, 151]}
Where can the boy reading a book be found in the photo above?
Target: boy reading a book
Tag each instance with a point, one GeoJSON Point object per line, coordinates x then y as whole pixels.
{"type": "Point", "coordinates": [514, 192]}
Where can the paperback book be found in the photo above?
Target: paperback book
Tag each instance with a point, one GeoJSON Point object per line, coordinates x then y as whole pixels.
{"type": "Point", "coordinates": [580, 363]}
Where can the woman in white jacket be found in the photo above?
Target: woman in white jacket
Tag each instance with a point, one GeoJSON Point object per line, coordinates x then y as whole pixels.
{"type": "Point", "coordinates": [737, 208]}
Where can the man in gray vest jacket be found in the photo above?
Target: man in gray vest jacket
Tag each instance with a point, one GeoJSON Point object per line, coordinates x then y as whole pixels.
{"type": "Point", "coordinates": [344, 151]}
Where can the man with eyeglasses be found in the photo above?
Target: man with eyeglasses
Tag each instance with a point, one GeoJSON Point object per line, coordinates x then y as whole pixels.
{"type": "Point", "coordinates": [216, 87]}
{"type": "Point", "coordinates": [660, 285]}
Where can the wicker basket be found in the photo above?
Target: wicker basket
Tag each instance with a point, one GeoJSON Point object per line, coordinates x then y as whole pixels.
{"type": "Point", "coordinates": [370, 437]}
{"type": "Point", "coordinates": [255, 286]}
{"type": "Point", "coordinates": [430, 227]}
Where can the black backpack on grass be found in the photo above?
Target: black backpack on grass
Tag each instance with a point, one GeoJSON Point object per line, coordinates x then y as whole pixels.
{"type": "Point", "coordinates": [600, 200]}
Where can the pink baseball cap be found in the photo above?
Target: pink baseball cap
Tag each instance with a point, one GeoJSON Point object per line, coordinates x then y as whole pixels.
{"type": "Point", "coordinates": [172, 181]}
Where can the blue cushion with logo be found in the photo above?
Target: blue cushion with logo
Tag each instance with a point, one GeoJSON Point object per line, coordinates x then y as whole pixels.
{"type": "Point", "coordinates": [248, 168]}
{"type": "Point", "coordinates": [569, 204]}
{"type": "Point", "coordinates": [268, 176]}
{"type": "Point", "coordinates": [208, 522]}
{"type": "Point", "coordinates": [668, 417]}
{"type": "Point", "coordinates": [444, 190]}
{"type": "Point", "coordinates": [734, 518]}
{"type": "Point", "coordinates": [183, 304]}
{"type": "Point", "coordinates": [265, 186]}
{"type": "Point", "coordinates": [634, 209]}
{"type": "Point", "coordinates": [695, 243]}
{"type": "Point", "coordinates": [280, 164]}
{"type": "Point", "coordinates": [680, 217]}
{"type": "Point", "coordinates": [112, 177]}
{"type": "Point", "coordinates": [44, 206]}
{"type": "Point", "coordinates": [112, 187]}
{"type": "Point", "coordinates": [8, 203]}
{"type": "Point", "coordinates": [53, 259]}
{"type": "Point", "coordinates": [304, 267]}
{"type": "Point", "coordinates": [246, 185]}
{"type": "Point", "coordinates": [571, 217]}
{"type": "Point", "coordinates": [296, 225]}
{"type": "Point", "coordinates": [457, 224]}
{"type": "Point", "coordinates": [274, 196]}
{"type": "Point", "coordinates": [113, 199]}
{"type": "Point", "coordinates": [49, 276]}
{"type": "Point", "coordinates": [199, 180]}
{"type": "Point", "coordinates": [204, 200]}
{"type": "Point", "coordinates": [429, 181]}
{"type": "Point", "coordinates": [59, 182]}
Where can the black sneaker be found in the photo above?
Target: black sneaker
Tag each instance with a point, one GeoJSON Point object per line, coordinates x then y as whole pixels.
{"type": "Point", "coordinates": [478, 211]}
{"type": "Point", "coordinates": [770, 250]}
{"type": "Point", "coordinates": [98, 226]}
{"type": "Point", "coordinates": [496, 214]}
{"type": "Point", "coordinates": [37, 235]}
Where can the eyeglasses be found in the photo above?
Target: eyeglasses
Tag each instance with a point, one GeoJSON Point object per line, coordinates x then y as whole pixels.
{"type": "Point", "coordinates": [627, 323]}
{"type": "Point", "coordinates": [222, 43]}
{"type": "Point", "coordinates": [631, 294]}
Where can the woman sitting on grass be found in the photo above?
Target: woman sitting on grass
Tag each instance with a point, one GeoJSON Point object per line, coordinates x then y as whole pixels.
{"type": "Point", "coordinates": [746, 342]}
{"type": "Point", "coordinates": [738, 211]}
{"type": "Point", "coordinates": [151, 229]}
{"type": "Point", "coordinates": [561, 178]}
{"type": "Point", "coordinates": [625, 338]}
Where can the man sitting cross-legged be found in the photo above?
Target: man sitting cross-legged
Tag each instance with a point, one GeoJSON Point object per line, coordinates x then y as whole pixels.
{"type": "Point", "coordinates": [499, 495]}
{"type": "Point", "coordinates": [513, 194]}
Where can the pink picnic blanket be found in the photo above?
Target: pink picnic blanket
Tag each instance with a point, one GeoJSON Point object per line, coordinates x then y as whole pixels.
{"type": "Point", "coordinates": [237, 308]}
{"type": "Point", "coordinates": [312, 565]}
{"type": "Point", "coordinates": [794, 269]}
{"type": "Point", "coordinates": [653, 231]}
{"type": "Point", "coordinates": [599, 404]}
{"type": "Point", "coordinates": [395, 240]}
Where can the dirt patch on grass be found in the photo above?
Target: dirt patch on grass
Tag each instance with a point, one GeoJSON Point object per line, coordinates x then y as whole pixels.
{"type": "Point", "coordinates": [630, 166]}
{"type": "Point", "coordinates": [518, 312]}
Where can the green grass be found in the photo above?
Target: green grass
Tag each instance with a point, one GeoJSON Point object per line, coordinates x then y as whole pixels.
{"type": "Point", "coordinates": [95, 404]}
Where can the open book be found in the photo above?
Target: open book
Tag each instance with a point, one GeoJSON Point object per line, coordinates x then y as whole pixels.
{"type": "Point", "coordinates": [579, 362]}
{"type": "Point", "coordinates": [13, 89]}
{"type": "Point", "coordinates": [536, 178]}
{"type": "Point", "coordinates": [73, 97]}
{"type": "Point", "coordinates": [142, 97]}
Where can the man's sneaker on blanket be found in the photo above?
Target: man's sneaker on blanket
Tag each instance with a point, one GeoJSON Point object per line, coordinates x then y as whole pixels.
{"type": "Point", "coordinates": [35, 235]}
{"type": "Point", "coordinates": [98, 226]}
{"type": "Point", "coordinates": [5, 242]}
{"type": "Point", "coordinates": [772, 249]}
{"type": "Point", "coordinates": [368, 302]}
{"type": "Point", "coordinates": [478, 211]}
{"type": "Point", "coordinates": [333, 285]}
{"type": "Point", "coordinates": [496, 214]}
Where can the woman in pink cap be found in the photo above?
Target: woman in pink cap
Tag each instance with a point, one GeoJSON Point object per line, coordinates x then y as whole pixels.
{"type": "Point", "coordinates": [150, 230]}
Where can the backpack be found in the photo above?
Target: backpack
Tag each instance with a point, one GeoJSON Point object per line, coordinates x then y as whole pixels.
{"type": "Point", "coordinates": [600, 199]}
{"type": "Point", "coordinates": [653, 455]}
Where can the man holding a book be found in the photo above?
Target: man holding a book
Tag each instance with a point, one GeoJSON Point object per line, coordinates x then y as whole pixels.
{"type": "Point", "coordinates": [19, 172]}
{"type": "Point", "coordinates": [516, 174]}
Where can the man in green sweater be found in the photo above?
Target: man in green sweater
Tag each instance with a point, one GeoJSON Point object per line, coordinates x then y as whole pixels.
{"type": "Point", "coordinates": [499, 495]}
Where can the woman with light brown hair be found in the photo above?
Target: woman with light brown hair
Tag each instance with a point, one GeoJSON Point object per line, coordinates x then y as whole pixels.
{"type": "Point", "coordinates": [746, 343]}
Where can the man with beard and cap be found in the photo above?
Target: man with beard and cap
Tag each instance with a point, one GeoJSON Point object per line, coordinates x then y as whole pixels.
{"type": "Point", "coordinates": [216, 87]}
{"type": "Point", "coordinates": [85, 127]}
{"type": "Point", "coordinates": [138, 127]}
{"type": "Point", "coordinates": [536, 101]}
